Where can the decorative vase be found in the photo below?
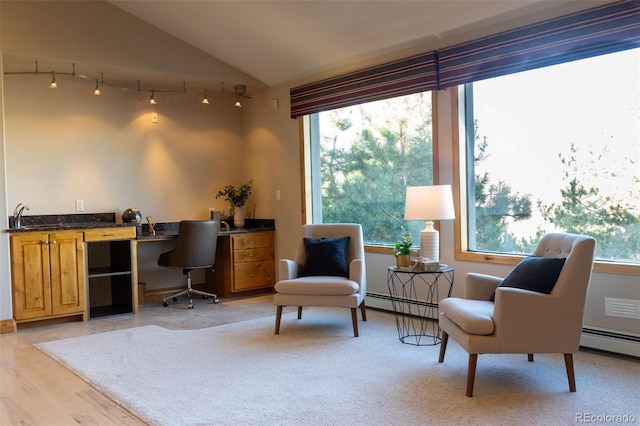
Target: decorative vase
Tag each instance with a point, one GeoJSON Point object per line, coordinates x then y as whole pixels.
{"type": "Point", "coordinates": [238, 216]}
{"type": "Point", "coordinates": [403, 260]}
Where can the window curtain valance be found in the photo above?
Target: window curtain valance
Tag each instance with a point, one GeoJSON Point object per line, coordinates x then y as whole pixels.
{"type": "Point", "coordinates": [402, 77]}
{"type": "Point", "coordinates": [597, 31]}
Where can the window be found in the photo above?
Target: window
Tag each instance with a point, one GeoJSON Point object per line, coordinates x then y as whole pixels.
{"type": "Point", "coordinates": [363, 157]}
{"type": "Point", "coordinates": [555, 149]}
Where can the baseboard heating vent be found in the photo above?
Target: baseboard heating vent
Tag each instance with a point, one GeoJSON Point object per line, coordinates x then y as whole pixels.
{"type": "Point", "coordinates": [622, 308]}
{"type": "Point", "coordinates": [611, 341]}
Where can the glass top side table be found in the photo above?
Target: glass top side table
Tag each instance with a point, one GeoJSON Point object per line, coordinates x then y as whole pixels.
{"type": "Point", "coordinates": [414, 296]}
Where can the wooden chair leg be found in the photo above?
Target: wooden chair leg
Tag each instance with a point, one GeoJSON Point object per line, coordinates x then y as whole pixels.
{"type": "Point", "coordinates": [530, 357]}
{"type": "Point", "coordinates": [278, 317]}
{"type": "Point", "coordinates": [354, 320]}
{"type": "Point", "coordinates": [299, 312]}
{"type": "Point", "coordinates": [471, 374]}
{"type": "Point", "coordinates": [443, 345]}
{"type": "Point", "coordinates": [363, 309]}
{"type": "Point", "coordinates": [568, 362]}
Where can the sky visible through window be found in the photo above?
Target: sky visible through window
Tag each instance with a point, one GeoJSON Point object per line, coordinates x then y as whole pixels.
{"type": "Point", "coordinates": [531, 118]}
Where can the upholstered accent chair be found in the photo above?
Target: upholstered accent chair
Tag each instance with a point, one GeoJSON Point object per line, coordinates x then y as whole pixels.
{"type": "Point", "coordinates": [328, 271]}
{"type": "Point", "coordinates": [533, 310]}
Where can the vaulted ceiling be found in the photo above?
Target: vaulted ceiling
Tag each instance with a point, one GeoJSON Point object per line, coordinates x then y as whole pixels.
{"type": "Point", "coordinates": [280, 41]}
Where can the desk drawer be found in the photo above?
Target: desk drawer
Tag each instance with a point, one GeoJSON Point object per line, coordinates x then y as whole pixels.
{"type": "Point", "coordinates": [253, 240]}
{"type": "Point", "coordinates": [252, 255]}
{"type": "Point", "coordinates": [106, 234]}
{"type": "Point", "coordinates": [253, 275]}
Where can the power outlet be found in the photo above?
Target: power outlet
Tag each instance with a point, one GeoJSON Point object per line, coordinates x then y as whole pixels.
{"type": "Point", "coordinates": [79, 205]}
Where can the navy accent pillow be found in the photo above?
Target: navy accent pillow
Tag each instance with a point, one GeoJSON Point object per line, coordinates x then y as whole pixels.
{"type": "Point", "coordinates": [534, 273]}
{"type": "Point", "coordinates": [326, 256]}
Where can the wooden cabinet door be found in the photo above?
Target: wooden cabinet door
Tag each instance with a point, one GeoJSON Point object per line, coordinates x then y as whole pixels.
{"type": "Point", "coordinates": [30, 272]}
{"type": "Point", "coordinates": [66, 253]}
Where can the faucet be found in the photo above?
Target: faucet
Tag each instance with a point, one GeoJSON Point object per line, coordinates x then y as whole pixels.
{"type": "Point", "coordinates": [17, 214]}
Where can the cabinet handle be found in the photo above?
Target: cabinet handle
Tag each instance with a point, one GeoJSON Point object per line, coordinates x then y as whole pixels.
{"type": "Point", "coordinates": [251, 242]}
{"type": "Point", "coordinates": [53, 242]}
{"type": "Point", "coordinates": [108, 235]}
{"type": "Point", "coordinates": [45, 242]}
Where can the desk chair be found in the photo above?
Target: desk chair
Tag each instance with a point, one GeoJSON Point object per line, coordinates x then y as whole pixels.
{"type": "Point", "coordinates": [195, 249]}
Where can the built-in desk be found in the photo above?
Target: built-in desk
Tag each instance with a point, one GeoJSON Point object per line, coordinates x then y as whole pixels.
{"type": "Point", "coordinates": [245, 260]}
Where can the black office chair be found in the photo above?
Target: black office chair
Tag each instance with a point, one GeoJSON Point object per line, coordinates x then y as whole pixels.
{"type": "Point", "coordinates": [195, 249]}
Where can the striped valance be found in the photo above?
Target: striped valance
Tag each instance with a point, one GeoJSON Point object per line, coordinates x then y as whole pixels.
{"type": "Point", "coordinates": [597, 31]}
{"type": "Point", "coordinates": [397, 78]}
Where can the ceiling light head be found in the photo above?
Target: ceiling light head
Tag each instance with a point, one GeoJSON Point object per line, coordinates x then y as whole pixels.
{"type": "Point", "coordinates": [237, 104]}
{"type": "Point", "coordinates": [205, 100]}
{"type": "Point", "coordinates": [96, 91]}
{"type": "Point", "coordinates": [152, 100]}
{"type": "Point", "coordinates": [53, 84]}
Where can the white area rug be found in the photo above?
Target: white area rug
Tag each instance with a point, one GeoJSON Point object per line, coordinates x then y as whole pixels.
{"type": "Point", "coordinates": [316, 373]}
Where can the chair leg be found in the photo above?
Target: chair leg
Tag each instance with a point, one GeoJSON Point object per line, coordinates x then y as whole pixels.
{"type": "Point", "coordinates": [530, 357]}
{"type": "Point", "coordinates": [299, 312]}
{"type": "Point", "coordinates": [471, 374]}
{"type": "Point", "coordinates": [363, 309]}
{"type": "Point", "coordinates": [443, 345]}
{"type": "Point", "coordinates": [354, 320]}
{"type": "Point", "coordinates": [278, 317]}
{"type": "Point", "coordinates": [568, 362]}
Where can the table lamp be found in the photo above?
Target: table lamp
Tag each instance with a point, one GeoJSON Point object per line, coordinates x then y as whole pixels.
{"type": "Point", "coordinates": [429, 203]}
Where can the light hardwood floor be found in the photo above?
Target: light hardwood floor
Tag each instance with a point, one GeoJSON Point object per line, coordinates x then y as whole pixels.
{"type": "Point", "coordinates": [37, 390]}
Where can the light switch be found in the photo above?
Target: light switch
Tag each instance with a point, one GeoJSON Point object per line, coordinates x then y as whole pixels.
{"type": "Point", "coordinates": [79, 205]}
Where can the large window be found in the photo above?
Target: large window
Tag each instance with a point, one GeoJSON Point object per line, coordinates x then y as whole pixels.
{"type": "Point", "coordinates": [555, 149]}
{"type": "Point", "coordinates": [362, 158]}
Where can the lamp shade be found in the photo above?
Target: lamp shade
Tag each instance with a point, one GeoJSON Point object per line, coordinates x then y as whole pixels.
{"type": "Point", "coordinates": [429, 203]}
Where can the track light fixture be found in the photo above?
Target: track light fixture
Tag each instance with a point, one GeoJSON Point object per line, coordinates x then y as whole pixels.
{"type": "Point", "coordinates": [239, 90]}
{"type": "Point", "coordinates": [53, 84]}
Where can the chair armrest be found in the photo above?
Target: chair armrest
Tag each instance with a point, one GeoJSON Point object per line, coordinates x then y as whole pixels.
{"type": "Point", "coordinates": [480, 286]}
{"type": "Point", "coordinates": [357, 273]}
{"type": "Point", "coordinates": [288, 269]}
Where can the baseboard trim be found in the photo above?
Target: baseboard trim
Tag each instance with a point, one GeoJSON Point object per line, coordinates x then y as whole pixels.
{"type": "Point", "coordinates": [8, 326]}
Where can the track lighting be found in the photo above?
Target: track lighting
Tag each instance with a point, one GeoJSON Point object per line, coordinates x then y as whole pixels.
{"type": "Point", "coordinates": [238, 92]}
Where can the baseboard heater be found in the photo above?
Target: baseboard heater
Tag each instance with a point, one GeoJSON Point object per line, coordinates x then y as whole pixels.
{"type": "Point", "coordinates": [592, 337]}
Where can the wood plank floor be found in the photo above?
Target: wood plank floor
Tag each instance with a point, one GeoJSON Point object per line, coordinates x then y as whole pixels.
{"type": "Point", "coordinates": [37, 390]}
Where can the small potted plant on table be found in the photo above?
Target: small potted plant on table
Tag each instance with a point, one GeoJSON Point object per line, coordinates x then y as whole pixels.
{"type": "Point", "coordinates": [402, 250]}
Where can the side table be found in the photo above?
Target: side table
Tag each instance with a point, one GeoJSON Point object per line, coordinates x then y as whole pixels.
{"type": "Point", "coordinates": [414, 296]}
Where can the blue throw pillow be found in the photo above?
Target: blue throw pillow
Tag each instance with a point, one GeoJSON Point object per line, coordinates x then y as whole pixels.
{"type": "Point", "coordinates": [326, 256]}
{"type": "Point", "coordinates": [534, 273]}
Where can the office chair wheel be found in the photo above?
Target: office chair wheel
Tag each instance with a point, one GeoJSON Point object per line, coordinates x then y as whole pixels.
{"type": "Point", "coordinates": [190, 306]}
{"type": "Point", "coordinates": [216, 300]}
{"type": "Point", "coordinates": [175, 299]}
{"type": "Point", "coordinates": [165, 304]}
{"type": "Point", "coordinates": [204, 296]}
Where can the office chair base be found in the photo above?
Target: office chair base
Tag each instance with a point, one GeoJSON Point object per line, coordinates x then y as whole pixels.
{"type": "Point", "coordinates": [190, 292]}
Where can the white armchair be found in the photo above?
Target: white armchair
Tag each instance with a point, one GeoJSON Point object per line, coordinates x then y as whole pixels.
{"type": "Point", "coordinates": [315, 279]}
{"type": "Point", "coordinates": [521, 320]}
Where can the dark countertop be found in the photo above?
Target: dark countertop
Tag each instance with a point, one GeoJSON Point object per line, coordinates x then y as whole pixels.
{"type": "Point", "coordinates": [164, 230]}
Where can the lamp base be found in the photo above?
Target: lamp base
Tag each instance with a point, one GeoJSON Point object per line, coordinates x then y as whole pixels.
{"type": "Point", "coordinates": [430, 242]}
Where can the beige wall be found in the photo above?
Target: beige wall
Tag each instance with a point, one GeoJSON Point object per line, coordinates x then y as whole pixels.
{"type": "Point", "coordinates": [67, 144]}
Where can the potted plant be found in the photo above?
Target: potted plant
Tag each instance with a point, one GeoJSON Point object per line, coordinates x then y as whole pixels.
{"type": "Point", "coordinates": [238, 197]}
{"type": "Point", "coordinates": [402, 250]}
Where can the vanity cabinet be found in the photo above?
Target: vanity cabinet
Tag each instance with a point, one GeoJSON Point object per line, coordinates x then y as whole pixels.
{"type": "Point", "coordinates": [244, 263]}
{"type": "Point", "coordinates": [48, 275]}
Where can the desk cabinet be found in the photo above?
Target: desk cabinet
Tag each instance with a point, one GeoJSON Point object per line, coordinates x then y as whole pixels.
{"type": "Point", "coordinates": [48, 275]}
{"type": "Point", "coordinates": [244, 262]}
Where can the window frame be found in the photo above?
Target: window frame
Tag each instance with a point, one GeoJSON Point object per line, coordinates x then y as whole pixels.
{"type": "Point", "coordinates": [461, 252]}
{"type": "Point", "coordinates": [304, 123]}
